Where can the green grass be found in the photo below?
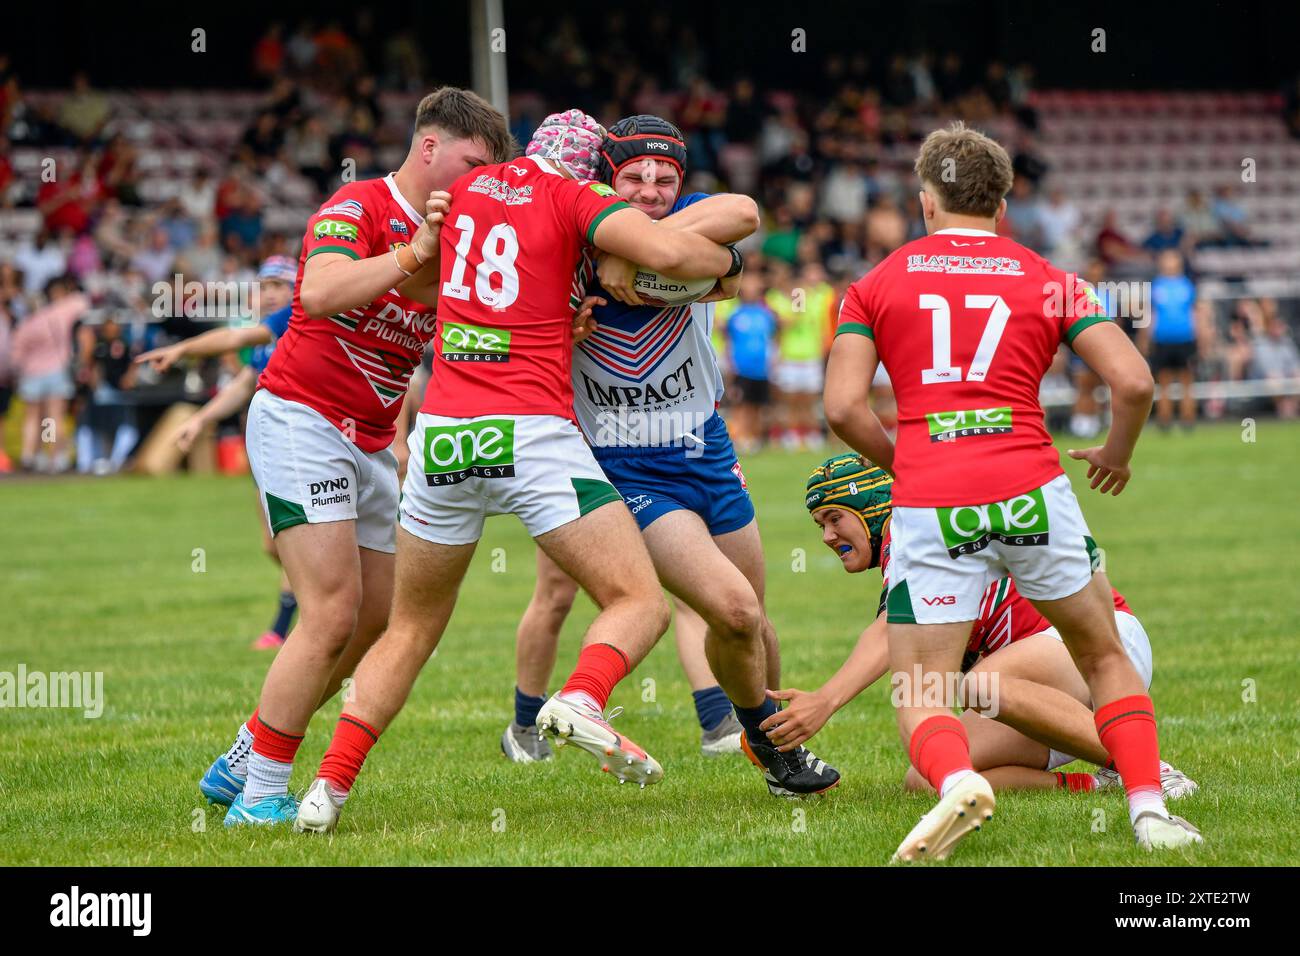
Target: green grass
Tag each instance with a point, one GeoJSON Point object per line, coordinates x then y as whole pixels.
{"type": "Point", "coordinates": [98, 576]}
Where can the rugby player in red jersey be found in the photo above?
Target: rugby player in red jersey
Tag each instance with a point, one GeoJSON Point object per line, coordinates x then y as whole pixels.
{"type": "Point", "coordinates": [967, 323]}
{"type": "Point", "coordinates": [496, 435]}
{"type": "Point", "coordinates": [1018, 671]}
{"type": "Point", "coordinates": [320, 426]}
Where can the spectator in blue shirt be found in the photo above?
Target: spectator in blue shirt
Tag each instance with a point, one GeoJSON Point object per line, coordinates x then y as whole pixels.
{"type": "Point", "coordinates": [1231, 216]}
{"type": "Point", "coordinates": [1170, 338]}
{"type": "Point", "coordinates": [751, 345]}
{"type": "Point", "coordinates": [1168, 233]}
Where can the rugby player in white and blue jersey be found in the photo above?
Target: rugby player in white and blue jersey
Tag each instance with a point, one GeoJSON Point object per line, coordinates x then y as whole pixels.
{"type": "Point", "coordinates": [646, 388]}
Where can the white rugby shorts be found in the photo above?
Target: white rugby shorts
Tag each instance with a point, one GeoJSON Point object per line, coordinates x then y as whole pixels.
{"type": "Point", "coordinates": [461, 470]}
{"type": "Point", "coordinates": [943, 559]}
{"type": "Point", "coordinates": [307, 472]}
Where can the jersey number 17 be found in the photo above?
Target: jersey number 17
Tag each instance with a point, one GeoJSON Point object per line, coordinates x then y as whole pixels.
{"type": "Point", "coordinates": [943, 370]}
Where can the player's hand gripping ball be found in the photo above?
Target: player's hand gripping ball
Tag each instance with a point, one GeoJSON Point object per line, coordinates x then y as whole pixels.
{"type": "Point", "coordinates": [654, 288]}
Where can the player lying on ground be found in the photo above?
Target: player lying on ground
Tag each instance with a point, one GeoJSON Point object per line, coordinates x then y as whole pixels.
{"type": "Point", "coordinates": [320, 426]}
{"type": "Point", "coordinates": [275, 280]}
{"type": "Point", "coordinates": [646, 387]}
{"type": "Point", "coordinates": [495, 435]}
{"type": "Point", "coordinates": [1042, 717]}
{"type": "Point", "coordinates": [968, 323]}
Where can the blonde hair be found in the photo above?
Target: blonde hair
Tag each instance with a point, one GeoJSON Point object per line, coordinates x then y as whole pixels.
{"type": "Point", "coordinates": [966, 171]}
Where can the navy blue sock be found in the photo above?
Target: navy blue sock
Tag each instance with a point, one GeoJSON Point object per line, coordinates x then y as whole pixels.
{"type": "Point", "coordinates": [711, 706]}
{"type": "Point", "coordinates": [526, 708]}
{"type": "Point", "coordinates": [751, 717]}
{"type": "Point", "coordinates": [284, 617]}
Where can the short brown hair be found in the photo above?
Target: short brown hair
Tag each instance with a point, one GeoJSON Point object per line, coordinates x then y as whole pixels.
{"type": "Point", "coordinates": [968, 172]}
{"type": "Point", "coordinates": [466, 115]}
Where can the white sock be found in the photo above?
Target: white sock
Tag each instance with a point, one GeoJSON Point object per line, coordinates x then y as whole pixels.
{"type": "Point", "coordinates": [338, 796]}
{"type": "Point", "coordinates": [1145, 800]}
{"type": "Point", "coordinates": [951, 780]}
{"type": "Point", "coordinates": [237, 755]}
{"type": "Point", "coordinates": [580, 697]}
{"type": "Point", "coordinates": [266, 778]}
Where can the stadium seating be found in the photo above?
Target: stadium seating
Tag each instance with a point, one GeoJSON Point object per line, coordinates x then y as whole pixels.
{"type": "Point", "coordinates": [1134, 153]}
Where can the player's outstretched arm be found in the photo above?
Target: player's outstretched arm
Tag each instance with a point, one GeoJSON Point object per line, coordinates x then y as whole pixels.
{"type": "Point", "coordinates": [230, 399]}
{"type": "Point", "coordinates": [724, 218]}
{"type": "Point", "coordinates": [808, 711]}
{"type": "Point", "coordinates": [849, 371]}
{"type": "Point", "coordinates": [636, 237]}
{"type": "Point", "coordinates": [1108, 352]}
{"type": "Point", "coordinates": [206, 344]}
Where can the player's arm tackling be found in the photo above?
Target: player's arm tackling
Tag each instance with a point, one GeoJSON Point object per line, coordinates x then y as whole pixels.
{"type": "Point", "coordinates": [633, 235]}
{"type": "Point", "coordinates": [807, 711]}
{"type": "Point", "coordinates": [725, 218]}
{"type": "Point", "coordinates": [333, 282]}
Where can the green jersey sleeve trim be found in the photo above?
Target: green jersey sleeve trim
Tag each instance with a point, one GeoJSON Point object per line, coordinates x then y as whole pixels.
{"type": "Point", "coordinates": [350, 253]}
{"type": "Point", "coordinates": [1084, 323]}
{"type": "Point", "coordinates": [600, 217]}
{"type": "Point", "coordinates": [857, 328]}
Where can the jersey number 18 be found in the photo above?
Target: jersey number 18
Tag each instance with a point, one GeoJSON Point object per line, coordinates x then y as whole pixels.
{"type": "Point", "coordinates": [500, 247]}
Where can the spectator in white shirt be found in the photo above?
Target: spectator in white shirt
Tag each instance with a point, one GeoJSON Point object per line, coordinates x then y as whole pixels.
{"type": "Point", "coordinates": [1059, 221]}
{"type": "Point", "coordinates": [198, 197]}
{"type": "Point", "coordinates": [40, 260]}
{"type": "Point", "coordinates": [844, 193]}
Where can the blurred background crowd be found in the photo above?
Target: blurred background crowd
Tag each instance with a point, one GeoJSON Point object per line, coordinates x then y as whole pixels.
{"type": "Point", "coordinates": [1182, 207]}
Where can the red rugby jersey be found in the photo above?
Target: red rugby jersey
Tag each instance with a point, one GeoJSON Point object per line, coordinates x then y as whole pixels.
{"type": "Point", "coordinates": [354, 367]}
{"type": "Point", "coordinates": [967, 323]}
{"type": "Point", "coordinates": [511, 247]}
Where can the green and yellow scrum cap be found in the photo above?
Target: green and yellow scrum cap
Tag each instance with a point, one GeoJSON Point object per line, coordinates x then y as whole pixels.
{"type": "Point", "coordinates": [847, 481]}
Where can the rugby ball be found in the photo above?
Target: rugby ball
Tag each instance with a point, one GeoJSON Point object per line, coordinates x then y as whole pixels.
{"type": "Point", "coordinates": [655, 288]}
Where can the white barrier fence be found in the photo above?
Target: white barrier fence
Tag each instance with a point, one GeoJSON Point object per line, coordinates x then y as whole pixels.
{"type": "Point", "coordinates": [1059, 396]}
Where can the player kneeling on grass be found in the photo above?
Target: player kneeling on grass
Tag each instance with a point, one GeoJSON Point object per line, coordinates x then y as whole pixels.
{"type": "Point", "coordinates": [1018, 671]}
{"type": "Point", "coordinates": [496, 435]}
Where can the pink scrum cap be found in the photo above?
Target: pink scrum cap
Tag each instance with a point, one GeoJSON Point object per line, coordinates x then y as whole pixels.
{"type": "Point", "coordinates": [572, 139]}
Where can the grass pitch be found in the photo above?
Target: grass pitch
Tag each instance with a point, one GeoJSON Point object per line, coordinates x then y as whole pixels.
{"type": "Point", "coordinates": [103, 575]}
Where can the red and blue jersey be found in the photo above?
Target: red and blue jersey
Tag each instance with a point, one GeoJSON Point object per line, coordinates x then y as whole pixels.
{"type": "Point", "coordinates": [648, 374]}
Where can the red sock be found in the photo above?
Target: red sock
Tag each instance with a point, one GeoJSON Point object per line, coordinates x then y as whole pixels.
{"type": "Point", "coordinates": [1127, 728]}
{"type": "Point", "coordinates": [939, 747]}
{"type": "Point", "coordinates": [600, 667]}
{"type": "Point", "coordinates": [1076, 782]}
{"type": "Point", "coordinates": [251, 723]}
{"type": "Point", "coordinates": [274, 744]}
{"type": "Point", "coordinates": [353, 738]}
